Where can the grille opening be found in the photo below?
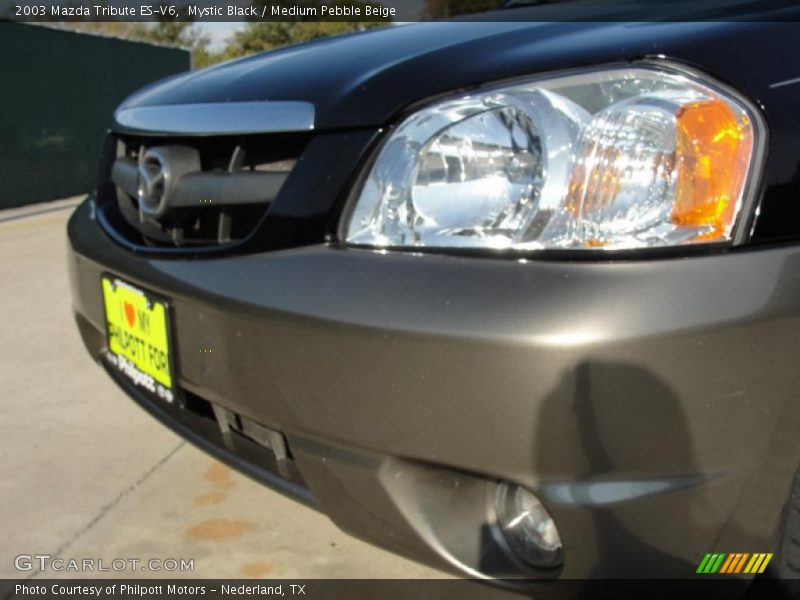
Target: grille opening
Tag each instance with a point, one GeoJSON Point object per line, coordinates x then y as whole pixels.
{"type": "Point", "coordinates": [199, 406]}
{"type": "Point", "coordinates": [227, 420]}
{"type": "Point", "coordinates": [254, 444]}
{"type": "Point", "coordinates": [194, 192]}
{"type": "Point", "coordinates": [239, 424]}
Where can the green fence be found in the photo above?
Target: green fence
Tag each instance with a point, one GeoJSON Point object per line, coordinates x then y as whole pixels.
{"type": "Point", "coordinates": [58, 91]}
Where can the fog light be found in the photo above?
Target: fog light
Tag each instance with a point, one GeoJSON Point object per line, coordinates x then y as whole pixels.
{"type": "Point", "coordinates": [527, 526]}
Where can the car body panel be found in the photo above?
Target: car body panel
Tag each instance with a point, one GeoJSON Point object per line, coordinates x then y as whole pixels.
{"type": "Point", "coordinates": [365, 79]}
{"type": "Point", "coordinates": [617, 392]}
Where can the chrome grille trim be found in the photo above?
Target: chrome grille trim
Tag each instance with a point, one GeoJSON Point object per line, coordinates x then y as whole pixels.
{"type": "Point", "coordinates": [213, 191]}
{"type": "Point", "coordinates": [224, 118]}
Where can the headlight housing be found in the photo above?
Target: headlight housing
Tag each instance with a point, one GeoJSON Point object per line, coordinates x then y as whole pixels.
{"type": "Point", "coordinates": [620, 158]}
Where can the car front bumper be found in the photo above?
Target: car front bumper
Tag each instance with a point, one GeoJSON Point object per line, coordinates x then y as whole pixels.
{"type": "Point", "coordinates": [653, 406]}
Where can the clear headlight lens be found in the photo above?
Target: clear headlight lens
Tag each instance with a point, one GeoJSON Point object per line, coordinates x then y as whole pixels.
{"type": "Point", "coordinates": [622, 158]}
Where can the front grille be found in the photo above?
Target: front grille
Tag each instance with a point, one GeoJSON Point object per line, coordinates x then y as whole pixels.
{"type": "Point", "coordinates": [193, 192]}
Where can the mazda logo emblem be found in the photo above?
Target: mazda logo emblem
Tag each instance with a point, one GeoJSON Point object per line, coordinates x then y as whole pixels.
{"type": "Point", "coordinates": [159, 170]}
{"type": "Point", "coordinates": [153, 181]}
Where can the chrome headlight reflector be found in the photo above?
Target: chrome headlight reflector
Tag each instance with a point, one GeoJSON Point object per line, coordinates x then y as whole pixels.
{"type": "Point", "coordinates": [631, 157]}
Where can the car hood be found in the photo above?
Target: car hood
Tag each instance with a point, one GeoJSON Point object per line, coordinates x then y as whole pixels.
{"type": "Point", "coordinates": [365, 79]}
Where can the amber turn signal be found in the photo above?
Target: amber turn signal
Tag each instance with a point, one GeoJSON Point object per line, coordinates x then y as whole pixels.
{"type": "Point", "coordinates": [713, 152]}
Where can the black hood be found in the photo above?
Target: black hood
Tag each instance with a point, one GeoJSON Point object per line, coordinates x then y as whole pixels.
{"type": "Point", "coordinates": [363, 80]}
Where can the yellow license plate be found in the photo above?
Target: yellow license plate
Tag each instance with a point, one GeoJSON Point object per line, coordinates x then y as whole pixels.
{"type": "Point", "coordinates": [138, 337]}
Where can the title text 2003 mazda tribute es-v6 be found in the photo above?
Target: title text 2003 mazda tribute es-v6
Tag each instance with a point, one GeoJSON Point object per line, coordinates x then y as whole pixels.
{"type": "Point", "coordinates": [517, 300]}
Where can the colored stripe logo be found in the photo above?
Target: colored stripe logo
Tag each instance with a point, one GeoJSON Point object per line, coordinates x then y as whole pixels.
{"type": "Point", "coordinates": [735, 562]}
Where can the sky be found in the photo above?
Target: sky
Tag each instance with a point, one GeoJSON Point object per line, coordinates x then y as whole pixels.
{"type": "Point", "coordinates": [219, 31]}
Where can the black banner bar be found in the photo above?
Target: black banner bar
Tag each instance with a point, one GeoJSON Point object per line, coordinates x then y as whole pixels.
{"type": "Point", "coordinates": [154, 589]}
{"type": "Point", "coordinates": [395, 11]}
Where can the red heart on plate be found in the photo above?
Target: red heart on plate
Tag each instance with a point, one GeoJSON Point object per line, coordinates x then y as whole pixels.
{"type": "Point", "coordinates": [130, 314]}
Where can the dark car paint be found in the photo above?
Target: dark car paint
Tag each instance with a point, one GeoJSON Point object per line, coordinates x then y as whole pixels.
{"type": "Point", "coordinates": [364, 80]}
{"type": "Point", "coordinates": [653, 405]}
{"type": "Point", "coordinates": [369, 79]}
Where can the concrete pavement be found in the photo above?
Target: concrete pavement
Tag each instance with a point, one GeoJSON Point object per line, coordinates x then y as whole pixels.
{"type": "Point", "coordinates": [86, 474]}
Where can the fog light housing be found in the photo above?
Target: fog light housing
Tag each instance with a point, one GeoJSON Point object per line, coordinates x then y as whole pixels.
{"type": "Point", "coordinates": [527, 527]}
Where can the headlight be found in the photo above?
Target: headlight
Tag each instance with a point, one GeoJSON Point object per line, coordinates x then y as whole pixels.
{"type": "Point", "coordinates": [621, 158]}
